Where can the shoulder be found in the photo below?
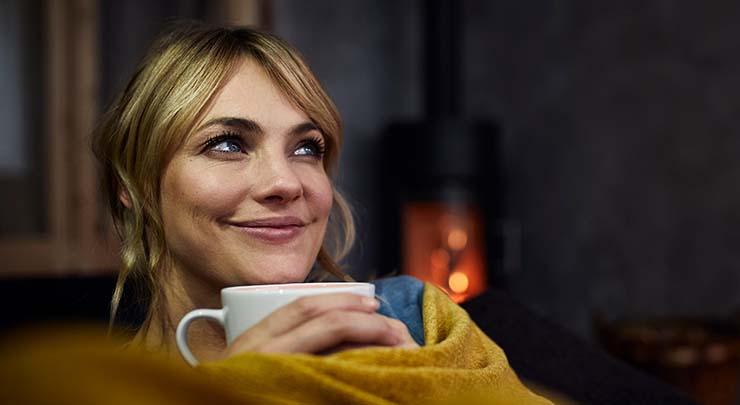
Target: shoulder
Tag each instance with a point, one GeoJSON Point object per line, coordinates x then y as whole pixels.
{"type": "Point", "coordinates": [404, 284]}
{"type": "Point", "coordinates": [402, 298]}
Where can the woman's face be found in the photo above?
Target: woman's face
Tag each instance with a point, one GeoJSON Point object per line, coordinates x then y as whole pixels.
{"type": "Point", "coordinates": [245, 200]}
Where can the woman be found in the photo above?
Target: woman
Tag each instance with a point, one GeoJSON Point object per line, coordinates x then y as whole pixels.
{"type": "Point", "coordinates": [218, 174]}
{"type": "Point", "coordinates": [217, 160]}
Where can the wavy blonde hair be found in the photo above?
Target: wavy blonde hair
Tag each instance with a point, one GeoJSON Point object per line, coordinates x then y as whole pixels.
{"type": "Point", "coordinates": [183, 70]}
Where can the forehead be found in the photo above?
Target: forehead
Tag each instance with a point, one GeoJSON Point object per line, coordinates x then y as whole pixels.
{"type": "Point", "coordinates": [250, 93]}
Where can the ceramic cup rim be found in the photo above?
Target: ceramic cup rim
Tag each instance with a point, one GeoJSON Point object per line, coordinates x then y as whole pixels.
{"type": "Point", "coordinates": [273, 288]}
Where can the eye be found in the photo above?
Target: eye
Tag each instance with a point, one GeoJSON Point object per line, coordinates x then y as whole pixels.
{"type": "Point", "coordinates": [225, 143]}
{"type": "Point", "coordinates": [227, 146]}
{"type": "Point", "coordinates": [311, 147]}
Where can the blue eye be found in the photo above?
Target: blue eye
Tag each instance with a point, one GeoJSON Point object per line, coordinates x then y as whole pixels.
{"type": "Point", "coordinates": [225, 143]}
{"type": "Point", "coordinates": [311, 147]}
{"type": "Point", "coordinates": [307, 150]}
{"type": "Point", "coordinates": [227, 146]}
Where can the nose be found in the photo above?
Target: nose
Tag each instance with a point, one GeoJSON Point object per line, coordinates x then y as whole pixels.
{"type": "Point", "coordinates": [276, 182]}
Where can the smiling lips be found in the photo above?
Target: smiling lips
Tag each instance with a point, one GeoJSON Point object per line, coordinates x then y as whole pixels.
{"type": "Point", "coordinates": [275, 230]}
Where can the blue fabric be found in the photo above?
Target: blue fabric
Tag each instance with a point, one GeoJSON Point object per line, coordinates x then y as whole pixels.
{"type": "Point", "coordinates": [401, 298]}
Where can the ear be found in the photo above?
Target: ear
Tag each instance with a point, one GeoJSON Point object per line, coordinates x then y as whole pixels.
{"type": "Point", "coordinates": [124, 197]}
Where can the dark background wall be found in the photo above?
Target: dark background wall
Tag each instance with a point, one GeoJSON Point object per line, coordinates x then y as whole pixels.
{"type": "Point", "coordinates": [619, 142]}
{"type": "Point", "coordinates": [619, 135]}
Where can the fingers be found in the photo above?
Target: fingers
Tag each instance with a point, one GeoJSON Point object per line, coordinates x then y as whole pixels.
{"type": "Point", "coordinates": [323, 324]}
{"type": "Point", "coordinates": [336, 328]}
{"type": "Point", "coordinates": [306, 308]}
{"type": "Point", "coordinates": [400, 329]}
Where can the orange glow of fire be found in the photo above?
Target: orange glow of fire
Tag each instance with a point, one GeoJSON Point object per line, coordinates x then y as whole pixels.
{"type": "Point", "coordinates": [457, 239]}
{"type": "Point", "coordinates": [443, 245]}
{"type": "Point", "coordinates": [458, 282]}
{"type": "Point", "coordinates": [440, 258]}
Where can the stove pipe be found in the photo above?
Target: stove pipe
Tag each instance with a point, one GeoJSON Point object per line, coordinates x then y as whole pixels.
{"type": "Point", "coordinates": [441, 172]}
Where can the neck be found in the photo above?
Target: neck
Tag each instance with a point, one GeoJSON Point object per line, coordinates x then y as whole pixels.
{"type": "Point", "coordinates": [181, 293]}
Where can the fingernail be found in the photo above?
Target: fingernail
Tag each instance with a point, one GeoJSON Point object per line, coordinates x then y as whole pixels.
{"type": "Point", "coordinates": [371, 302]}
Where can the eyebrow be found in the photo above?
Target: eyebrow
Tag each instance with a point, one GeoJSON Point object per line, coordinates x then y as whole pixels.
{"type": "Point", "coordinates": [248, 125]}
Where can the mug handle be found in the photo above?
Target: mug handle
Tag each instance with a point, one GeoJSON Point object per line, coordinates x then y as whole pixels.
{"type": "Point", "coordinates": [181, 336]}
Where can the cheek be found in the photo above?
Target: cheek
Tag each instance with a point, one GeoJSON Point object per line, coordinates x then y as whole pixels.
{"type": "Point", "coordinates": [320, 195]}
{"type": "Point", "coordinates": [199, 191]}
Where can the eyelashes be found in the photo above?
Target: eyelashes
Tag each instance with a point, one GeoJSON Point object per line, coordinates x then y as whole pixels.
{"type": "Point", "coordinates": [229, 142]}
{"type": "Point", "coordinates": [313, 146]}
{"type": "Point", "coordinates": [226, 142]}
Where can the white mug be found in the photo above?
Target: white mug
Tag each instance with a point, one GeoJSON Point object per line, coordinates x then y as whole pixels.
{"type": "Point", "coordinates": [244, 306]}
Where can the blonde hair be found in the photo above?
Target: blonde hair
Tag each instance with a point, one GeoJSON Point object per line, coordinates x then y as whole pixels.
{"type": "Point", "coordinates": [183, 70]}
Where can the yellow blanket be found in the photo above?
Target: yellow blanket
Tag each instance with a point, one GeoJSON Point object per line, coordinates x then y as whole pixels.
{"type": "Point", "coordinates": [459, 363]}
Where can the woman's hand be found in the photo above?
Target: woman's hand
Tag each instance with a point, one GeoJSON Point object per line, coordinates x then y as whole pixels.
{"type": "Point", "coordinates": [323, 324]}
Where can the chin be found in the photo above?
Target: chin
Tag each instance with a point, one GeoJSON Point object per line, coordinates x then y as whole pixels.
{"type": "Point", "coordinates": [286, 279]}
{"type": "Point", "coordinates": [281, 274]}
